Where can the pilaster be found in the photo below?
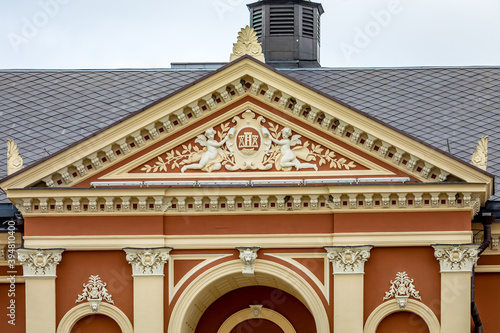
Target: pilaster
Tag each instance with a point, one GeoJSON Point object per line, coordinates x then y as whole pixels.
{"type": "Point", "coordinates": [348, 269]}
{"type": "Point", "coordinates": [147, 270]}
{"type": "Point", "coordinates": [456, 263]}
{"type": "Point", "coordinates": [39, 268]}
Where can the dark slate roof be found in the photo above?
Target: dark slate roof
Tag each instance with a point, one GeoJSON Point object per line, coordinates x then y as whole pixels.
{"type": "Point", "coordinates": [449, 108]}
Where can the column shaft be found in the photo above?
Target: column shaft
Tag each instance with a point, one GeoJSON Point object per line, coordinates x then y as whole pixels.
{"type": "Point", "coordinates": [40, 305]}
{"type": "Point", "coordinates": [348, 303]}
{"type": "Point", "coordinates": [148, 304]}
{"type": "Point", "coordinates": [455, 302]}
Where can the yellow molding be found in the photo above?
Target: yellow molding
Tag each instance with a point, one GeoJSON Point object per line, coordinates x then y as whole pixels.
{"type": "Point", "coordinates": [117, 242]}
{"type": "Point", "coordinates": [487, 269]}
{"type": "Point", "coordinates": [6, 279]}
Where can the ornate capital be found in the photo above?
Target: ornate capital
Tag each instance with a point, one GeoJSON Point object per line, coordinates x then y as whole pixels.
{"type": "Point", "coordinates": [147, 262]}
{"type": "Point", "coordinates": [348, 259]}
{"type": "Point", "coordinates": [248, 256]}
{"type": "Point", "coordinates": [456, 257]}
{"type": "Point", "coordinates": [39, 263]}
{"type": "Point", "coordinates": [94, 292]}
{"type": "Point", "coordinates": [401, 289]}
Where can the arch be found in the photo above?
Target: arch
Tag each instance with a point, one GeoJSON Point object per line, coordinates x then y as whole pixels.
{"type": "Point", "coordinates": [389, 307]}
{"type": "Point", "coordinates": [82, 310]}
{"type": "Point", "coordinates": [247, 314]}
{"type": "Point", "coordinates": [311, 299]}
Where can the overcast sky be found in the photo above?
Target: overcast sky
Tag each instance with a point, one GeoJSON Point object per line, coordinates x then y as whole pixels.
{"type": "Point", "coordinates": [154, 33]}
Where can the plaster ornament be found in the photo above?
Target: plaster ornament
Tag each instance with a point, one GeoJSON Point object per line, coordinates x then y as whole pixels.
{"type": "Point", "coordinates": [247, 44]}
{"type": "Point", "coordinates": [147, 262]}
{"type": "Point", "coordinates": [348, 259]}
{"type": "Point", "coordinates": [248, 256]}
{"type": "Point", "coordinates": [480, 156]}
{"type": "Point", "coordinates": [401, 289]}
{"type": "Point", "coordinates": [456, 257]}
{"type": "Point", "coordinates": [248, 145]}
{"type": "Point", "coordinates": [39, 263]}
{"type": "Point", "coordinates": [211, 158]}
{"type": "Point", "coordinates": [256, 310]}
{"type": "Point", "coordinates": [94, 292]}
{"type": "Point", "coordinates": [14, 160]}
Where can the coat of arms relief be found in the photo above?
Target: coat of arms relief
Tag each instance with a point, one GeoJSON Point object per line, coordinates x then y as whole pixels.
{"type": "Point", "coordinates": [249, 142]}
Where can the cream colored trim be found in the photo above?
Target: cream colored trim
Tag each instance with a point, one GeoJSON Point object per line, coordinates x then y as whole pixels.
{"type": "Point", "coordinates": [208, 259]}
{"type": "Point", "coordinates": [487, 269]}
{"type": "Point", "coordinates": [417, 238]}
{"type": "Point", "coordinates": [247, 314]}
{"type": "Point", "coordinates": [182, 308]}
{"type": "Point", "coordinates": [390, 307]}
{"type": "Point", "coordinates": [289, 258]}
{"type": "Point", "coordinates": [121, 173]}
{"type": "Point", "coordinates": [179, 242]}
{"type": "Point", "coordinates": [92, 243]}
{"type": "Point", "coordinates": [348, 300]}
{"type": "Point", "coordinates": [149, 304]}
{"type": "Point", "coordinates": [40, 305]}
{"type": "Point", "coordinates": [82, 310]}
{"type": "Point", "coordinates": [455, 302]}
{"type": "Point", "coordinates": [269, 77]}
{"type": "Point", "coordinates": [6, 279]}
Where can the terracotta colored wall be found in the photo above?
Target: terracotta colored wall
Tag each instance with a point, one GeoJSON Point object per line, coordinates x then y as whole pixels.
{"type": "Point", "coordinates": [247, 224]}
{"type": "Point", "coordinates": [257, 325]}
{"type": "Point", "coordinates": [75, 269]}
{"type": "Point", "coordinates": [403, 322]}
{"type": "Point", "coordinates": [96, 324]}
{"type": "Point", "coordinates": [488, 300]}
{"type": "Point", "coordinates": [402, 222]}
{"type": "Point", "coordinates": [20, 310]}
{"type": "Point", "coordinates": [271, 298]}
{"type": "Point", "coordinates": [418, 262]}
{"type": "Point", "coordinates": [93, 225]}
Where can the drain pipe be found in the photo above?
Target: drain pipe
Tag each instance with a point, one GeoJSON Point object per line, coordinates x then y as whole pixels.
{"type": "Point", "coordinates": [487, 220]}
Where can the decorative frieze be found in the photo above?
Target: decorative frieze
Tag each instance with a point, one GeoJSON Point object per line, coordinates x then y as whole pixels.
{"type": "Point", "coordinates": [348, 259]}
{"type": "Point", "coordinates": [401, 289]}
{"type": "Point", "coordinates": [248, 256]}
{"type": "Point", "coordinates": [147, 262]}
{"type": "Point", "coordinates": [94, 292]}
{"type": "Point", "coordinates": [39, 263]}
{"type": "Point", "coordinates": [456, 257]}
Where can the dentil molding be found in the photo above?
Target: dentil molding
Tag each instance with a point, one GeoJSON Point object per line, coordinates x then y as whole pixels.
{"type": "Point", "coordinates": [39, 263]}
{"type": "Point", "coordinates": [456, 257]}
{"type": "Point", "coordinates": [147, 262]}
{"type": "Point", "coordinates": [348, 259]}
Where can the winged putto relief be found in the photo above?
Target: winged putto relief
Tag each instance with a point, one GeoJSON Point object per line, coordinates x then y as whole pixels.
{"type": "Point", "coordinates": [248, 143]}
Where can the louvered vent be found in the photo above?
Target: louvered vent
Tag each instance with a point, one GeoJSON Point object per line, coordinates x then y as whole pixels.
{"type": "Point", "coordinates": [257, 21]}
{"type": "Point", "coordinates": [281, 20]}
{"type": "Point", "coordinates": [319, 30]}
{"type": "Point", "coordinates": [308, 22]}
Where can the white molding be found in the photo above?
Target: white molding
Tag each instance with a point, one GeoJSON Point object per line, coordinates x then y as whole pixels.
{"type": "Point", "coordinates": [147, 261]}
{"type": "Point", "coordinates": [91, 243]}
{"type": "Point", "coordinates": [390, 307]}
{"type": "Point", "coordinates": [39, 263]}
{"type": "Point", "coordinates": [456, 257]}
{"type": "Point", "coordinates": [348, 259]}
{"type": "Point", "coordinates": [78, 312]}
{"type": "Point", "coordinates": [247, 314]}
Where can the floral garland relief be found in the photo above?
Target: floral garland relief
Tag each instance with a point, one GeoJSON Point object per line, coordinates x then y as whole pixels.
{"type": "Point", "coordinates": [207, 154]}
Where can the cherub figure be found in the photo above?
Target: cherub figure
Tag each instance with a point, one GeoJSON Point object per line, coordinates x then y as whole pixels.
{"type": "Point", "coordinates": [211, 159]}
{"type": "Point", "coordinates": [288, 158]}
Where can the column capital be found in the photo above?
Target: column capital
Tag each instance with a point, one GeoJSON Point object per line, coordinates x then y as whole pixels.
{"type": "Point", "coordinates": [348, 259]}
{"type": "Point", "coordinates": [248, 256]}
{"type": "Point", "coordinates": [456, 257]}
{"type": "Point", "coordinates": [147, 262]}
{"type": "Point", "coordinates": [38, 263]}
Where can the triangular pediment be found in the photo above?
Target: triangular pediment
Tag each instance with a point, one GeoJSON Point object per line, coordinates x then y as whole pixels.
{"type": "Point", "coordinates": [324, 133]}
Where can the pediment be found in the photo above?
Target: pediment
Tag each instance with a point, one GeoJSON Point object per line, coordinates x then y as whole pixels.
{"type": "Point", "coordinates": [357, 144]}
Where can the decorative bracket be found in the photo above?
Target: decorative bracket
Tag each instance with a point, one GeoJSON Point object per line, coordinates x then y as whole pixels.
{"type": "Point", "coordinates": [147, 262]}
{"type": "Point", "coordinates": [248, 256]}
{"type": "Point", "coordinates": [456, 257]}
{"type": "Point", "coordinates": [39, 263]}
{"type": "Point", "coordinates": [348, 259]}
{"type": "Point", "coordinates": [256, 310]}
{"type": "Point", "coordinates": [94, 292]}
{"type": "Point", "coordinates": [401, 289]}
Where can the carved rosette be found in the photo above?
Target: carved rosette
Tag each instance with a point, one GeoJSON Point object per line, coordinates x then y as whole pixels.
{"type": "Point", "coordinates": [248, 256]}
{"type": "Point", "coordinates": [39, 263]}
{"type": "Point", "coordinates": [456, 257]}
{"type": "Point", "coordinates": [94, 292]}
{"type": "Point", "coordinates": [348, 259]}
{"type": "Point", "coordinates": [147, 262]}
{"type": "Point", "coordinates": [401, 289]}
